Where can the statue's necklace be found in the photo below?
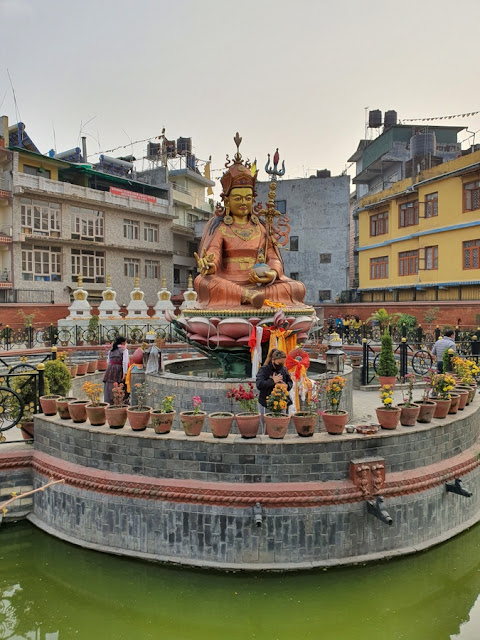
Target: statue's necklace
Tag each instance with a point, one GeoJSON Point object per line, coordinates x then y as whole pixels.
{"type": "Point", "coordinates": [244, 234]}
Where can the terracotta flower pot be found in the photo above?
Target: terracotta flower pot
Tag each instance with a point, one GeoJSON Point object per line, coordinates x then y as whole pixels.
{"type": "Point", "coordinates": [391, 380]}
{"type": "Point", "coordinates": [27, 429]}
{"type": "Point", "coordinates": [62, 407]}
{"type": "Point", "coordinates": [138, 419]}
{"type": "Point", "coordinates": [276, 426]}
{"type": "Point", "coordinates": [248, 424]}
{"type": "Point", "coordinates": [82, 368]}
{"type": "Point", "coordinates": [192, 423]}
{"type": "Point", "coordinates": [427, 409]}
{"type": "Point", "coordinates": [305, 423]}
{"type": "Point", "coordinates": [409, 415]}
{"type": "Point", "coordinates": [463, 393]}
{"type": "Point", "coordinates": [162, 422]}
{"type": "Point", "coordinates": [473, 391]}
{"type": "Point", "coordinates": [335, 422]}
{"type": "Point", "coordinates": [77, 410]}
{"type": "Point", "coordinates": [355, 361]}
{"type": "Point", "coordinates": [388, 418]}
{"type": "Point", "coordinates": [91, 366]}
{"type": "Point", "coordinates": [220, 423]}
{"type": "Point", "coordinates": [96, 414]}
{"type": "Point", "coordinates": [49, 404]}
{"type": "Point", "coordinates": [455, 403]}
{"type": "Point", "coordinates": [116, 416]}
{"type": "Point", "coordinates": [73, 370]}
{"type": "Point", "coordinates": [102, 364]}
{"type": "Point", "coordinates": [441, 410]}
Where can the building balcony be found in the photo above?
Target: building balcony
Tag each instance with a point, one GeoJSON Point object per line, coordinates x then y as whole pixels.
{"type": "Point", "coordinates": [6, 235]}
{"type": "Point", "coordinates": [38, 186]}
{"type": "Point", "coordinates": [5, 279]}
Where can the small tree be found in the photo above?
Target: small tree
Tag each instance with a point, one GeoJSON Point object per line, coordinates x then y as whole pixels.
{"type": "Point", "coordinates": [387, 366]}
{"type": "Point", "coordinates": [383, 318]}
{"type": "Point", "coordinates": [58, 376]}
{"type": "Point", "coordinates": [406, 319]}
{"type": "Point", "coordinates": [430, 315]}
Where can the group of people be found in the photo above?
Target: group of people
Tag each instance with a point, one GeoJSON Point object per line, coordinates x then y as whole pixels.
{"type": "Point", "coordinates": [348, 328]}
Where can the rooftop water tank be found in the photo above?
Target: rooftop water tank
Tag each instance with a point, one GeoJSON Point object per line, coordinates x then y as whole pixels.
{"type": "Point", "coordinates": [423, 144]}
{"type": "Point", "coordinates": [184, 145]}
{"type": "Point", "coordinates": [390, 118]}
{"type": "Point", "coordinates": [153, 150]}
{"type": "Point", "coordinates": [375, 119]}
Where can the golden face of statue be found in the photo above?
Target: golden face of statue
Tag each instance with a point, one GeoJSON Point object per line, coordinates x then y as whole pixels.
{"type": "Point", "coordinates": [240, 201]}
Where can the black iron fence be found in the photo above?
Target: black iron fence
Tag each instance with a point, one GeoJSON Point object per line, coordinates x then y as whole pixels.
{"type": "Point", "coordinates": [31, 337]}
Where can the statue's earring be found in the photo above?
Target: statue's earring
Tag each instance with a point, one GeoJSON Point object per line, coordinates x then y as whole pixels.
{"type": "Point", "coordinates": [254, 219]}
{"type": "Point", "coordinates": [227, 218]}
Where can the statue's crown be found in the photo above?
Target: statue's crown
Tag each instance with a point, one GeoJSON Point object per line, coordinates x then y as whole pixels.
{"type": "Point", "coordinates": [238, 174]}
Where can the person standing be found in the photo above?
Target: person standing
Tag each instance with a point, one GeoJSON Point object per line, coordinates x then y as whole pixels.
{"type": "Point", "coordinates": [273, 372]}
{"type": "Point", "coordinates": [441, 345]}
{"type": "Point", "coordinates": [117, 367]}
{"type": "Point", "coordinates": [339, 325]}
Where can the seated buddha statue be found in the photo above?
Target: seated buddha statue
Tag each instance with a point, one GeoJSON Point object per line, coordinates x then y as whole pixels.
{"type": "Point", "coordinates": [240, 264]}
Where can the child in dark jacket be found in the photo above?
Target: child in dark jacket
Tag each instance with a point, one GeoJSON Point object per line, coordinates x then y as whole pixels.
{"type": "Point", "coordinates": [272, 372]}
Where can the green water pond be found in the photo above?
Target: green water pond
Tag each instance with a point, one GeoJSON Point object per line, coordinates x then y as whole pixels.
{"type": "Point", "coordinates": [51, 590]}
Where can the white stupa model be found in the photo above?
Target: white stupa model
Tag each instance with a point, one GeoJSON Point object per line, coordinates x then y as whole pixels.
{"type": "Point", "coordinates": [80, 308]}
{"type": "Point", "coordinates": [163, 302]}
{"type": "Point", "coordinates": [137, 307]}
{"type": "Point", "coordinates": [109, 308]}
{"type": "Point", "coordinates": [190, 296]}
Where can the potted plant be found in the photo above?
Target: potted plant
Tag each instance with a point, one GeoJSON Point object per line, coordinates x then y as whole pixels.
{"type": "Point", "coordinates": [466, 370]}
{"type": "Point", "coordinates": [409, 410]}
{"type": "Point", "coordinates": [92, 329]}
{"type": "Point", "coordinates": [58, 376]}
{"type": "Point", "coordinates": [162, 419]}
{"type": "Point", "coordinates": [26, 424]}
{"type": "Point", "coordinates": [62, 407]}
{"type": "Point", "coordinates": [442, 385]}
{"type": "Point", "coordinates": [95, 408]}
{"type": "Point", "coordinates": [388, 414]}
{"type": "Point", "coordinates": [387, 369]}
{"type": "Point", "coordinates": [426, 404]}
{"type": "Point", "coordinates": [305, 421]}
{"type": "Point", "coordinates": [276, 421]}
{"type": "Point", "coordinates": [139, 414]}
{"type": "Point", "coordinates": [334, 419]}
{"type": "Point", "coordinates": [447, 358]}
{"type": "Point", "coordinates": [192, 421]}
{"type": "Point", "coordinates": [220, 423]}
{"type": "Point", "coordinates": [82, 368]}
{"type": "Point", "coordinates": [102, 360]}
{"type": "Point", "coordinates": [77, 410]}
{"type": "Point", "coordinates": [91, 366]}
{"type": "Point", "coordinates": [116, 414]}
{"type": "Point", "coordinates": [248, 420]}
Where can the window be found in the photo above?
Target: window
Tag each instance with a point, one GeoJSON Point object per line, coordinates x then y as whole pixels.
{"type": "Point", "coordinates": [324, 294]}
{"type": "Point", "coordinates": [431, 258]}
{"type": "Point", "coordinates": [325, 258]}
{"type": "Point", "coordinates": [89, 264]}
{"type": "Point", "coordinates": [192, 247]}
{"type": "Point", "coordinates": [471, 254]}
{"type": "Point", "coordinates": [379, 268]}
{"type": "Point", "coordinates": [150, 232]}
{"type": "Point", "coordinates": [471, 196]}
{"type": "Point", "coordinates": [131, 267]}
{"type": "Point", "coordinates": [407, 263]}
{"type": "Point", "coordinates": [294, 275]}
{"type": "Point", "coordinates": [131, 230]}
{"type": "Point", "coordinates": [379, 224]}
{"type": "Point", "coordinates": [152, 269]}
{"type": "Point", "coordinates": [281, 206]}
{"type": "Point", "coordinates": [293, 243]}
{"type": "Point", "coordinates": [36, 171]}
{"type": "Point", "coordinates": [87, 224]}
{"type": "Point", "coordinates": [42, 264]}
{"type": "Point", "coordinates": [176, 276]}
{"type": "Point", "coordinates": [40, 218]}
{"type": "Point", "coordinates": [408, 214]}
{"type": "Point", "coordinates": [431, 205]}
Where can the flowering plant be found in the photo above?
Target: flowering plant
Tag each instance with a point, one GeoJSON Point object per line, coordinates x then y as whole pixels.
{"type": "Point", "coordinates": [167, 404]}
{"type": "Point", "coordinates": [409, 379]}
{"type": "Point", "coordinates": [94, 392]}
{"type": "Point", "coordinates": [277, 401]}
{"type": "Point", "coordinates": [246, 398]}
{"type": "Point", "coordinates": [197, 403]}
{"type": "Point", "coordinates": [313, 398]}
{"type": "Point", "coordinates": [442, 384]}
{"type": "Point", "coordinates": [386, 396]}
{"type": "Point", "coordinates": [466, 370]}
{"type": "Point", "coordinates": [118, 394]}
{"type": "Point", "coordinates": [141, 391]}
{"type": "Point", "coordinates": [334, 390]}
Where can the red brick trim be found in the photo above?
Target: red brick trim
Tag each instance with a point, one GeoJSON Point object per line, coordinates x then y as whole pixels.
{"type": "Point", "coordinates": [19, 459]}
{"type": "Point", "coordinates": [281, 494]}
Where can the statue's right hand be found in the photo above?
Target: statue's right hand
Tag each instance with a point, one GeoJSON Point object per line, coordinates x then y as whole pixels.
{"type": "Point", "coordinates": [206, 265]}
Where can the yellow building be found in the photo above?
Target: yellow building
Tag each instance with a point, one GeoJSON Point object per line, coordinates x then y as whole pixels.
{"type": "Point", "coordinates": [420, 239]}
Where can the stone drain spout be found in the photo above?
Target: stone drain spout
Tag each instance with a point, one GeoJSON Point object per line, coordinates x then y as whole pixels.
{"type": "Point", "coordinates": [257, 514]}
{"type": "Point", "coordinates": [457, 487]}
{"type": "Point", "coordinates": [378, 510]}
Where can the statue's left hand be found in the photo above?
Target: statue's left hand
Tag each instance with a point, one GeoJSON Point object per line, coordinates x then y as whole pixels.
{"type": "Point", "coordinates": [265, 279]}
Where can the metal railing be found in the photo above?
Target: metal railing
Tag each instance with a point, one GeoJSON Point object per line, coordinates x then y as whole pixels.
{"type": "Point", "coordinates": [27, 296]}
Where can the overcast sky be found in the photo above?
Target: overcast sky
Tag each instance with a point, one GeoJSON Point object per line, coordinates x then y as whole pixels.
{"type": "Point", "coordinates": [296, 74]}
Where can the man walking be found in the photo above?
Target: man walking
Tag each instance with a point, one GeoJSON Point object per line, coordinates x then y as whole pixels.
{"type": "Point", "coordinates": [441, 345]}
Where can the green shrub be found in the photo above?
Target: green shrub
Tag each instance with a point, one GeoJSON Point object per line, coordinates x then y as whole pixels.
{"type": "Point", "coordinates": [406, 319]}
{"type": "Point", "coordinates": [26, 387]}
{"type": "Point", "coordinates": [386, 363]}
{"type": "Point", "coordinates": [58, 376]}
